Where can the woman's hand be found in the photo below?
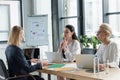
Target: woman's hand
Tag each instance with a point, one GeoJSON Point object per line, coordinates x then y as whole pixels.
{"type": "Point", "coordinates": [44, 62]}
{"type": "Point", "coordinates": [64, 44]}
{"type": "Point", "coordinates": [35, 61]}
{"type": "Point", "coordinates": [102, 67]}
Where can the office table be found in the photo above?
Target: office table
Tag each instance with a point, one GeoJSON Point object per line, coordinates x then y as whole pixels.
{"type": "Point", "coordinates": [82, 74]}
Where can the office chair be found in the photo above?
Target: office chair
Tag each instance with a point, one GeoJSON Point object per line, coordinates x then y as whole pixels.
{"type": "Point", "coordinates": [5, 76]}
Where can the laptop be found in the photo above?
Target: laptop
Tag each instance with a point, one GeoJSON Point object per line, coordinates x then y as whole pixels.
{"type": "Point", "coordinates": [54, 57]}
{"type": "Point", "coordinates": [84, 61]}
{"type": "Point", "coordinates": [31, 53]}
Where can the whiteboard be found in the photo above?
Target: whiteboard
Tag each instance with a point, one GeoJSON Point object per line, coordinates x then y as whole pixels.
{"type": "Point", "coordinates": [36, 31]}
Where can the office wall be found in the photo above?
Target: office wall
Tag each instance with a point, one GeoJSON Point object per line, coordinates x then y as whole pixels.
{"type": "Point", "coordinates": [2, 53]}
{"type": "Point", "coordinates": [29, 7]}
{"type": "Point", "coordinates": [27, 10]}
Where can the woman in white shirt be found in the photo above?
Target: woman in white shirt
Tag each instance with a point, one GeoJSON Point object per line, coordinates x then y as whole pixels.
{"type": "Point", "coordinates": [108, 50]}
{"type": "Point", "coordinates": [70, 46]}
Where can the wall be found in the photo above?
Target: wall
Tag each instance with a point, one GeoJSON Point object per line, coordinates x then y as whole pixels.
{"type": "Point", "coordinates": [2, 53]}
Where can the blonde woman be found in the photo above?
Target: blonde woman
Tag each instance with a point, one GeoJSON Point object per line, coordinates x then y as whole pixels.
{"type": "Point", "coordinates": [108, 50]}
{"type": "Point", "coordinates": [17, 63]}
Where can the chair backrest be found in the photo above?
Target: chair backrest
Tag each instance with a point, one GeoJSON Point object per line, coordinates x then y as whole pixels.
{"type": "Point", "coordinates": [3, 70]}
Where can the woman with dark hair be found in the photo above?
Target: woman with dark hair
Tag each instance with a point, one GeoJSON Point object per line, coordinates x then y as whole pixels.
{"type": "Point", "coordinates": [71, 28]}
{"type": "Point", "coordinates": [70, 46]}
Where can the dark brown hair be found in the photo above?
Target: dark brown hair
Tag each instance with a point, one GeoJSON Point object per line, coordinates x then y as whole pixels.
{"type": "Point", "coordinates": [72, 29]}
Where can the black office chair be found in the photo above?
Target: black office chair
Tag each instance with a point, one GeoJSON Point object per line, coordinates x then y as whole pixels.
{"type": "Point", "coordinates": [5, 76]}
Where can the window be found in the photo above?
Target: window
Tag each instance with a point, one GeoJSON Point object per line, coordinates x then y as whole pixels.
{"type": "Point", "coordinates": [72, 21]}
{"type": "Point", "coordinates": [114, 16]}
{"type": "Point", "coordinates": [10, 16]}
{"type": "Point", "coordinates": [115, 24]}
{"type": "Point", "coordinates": [68, 14]}
{"type": "Point", "coordinates": [93, 16]}
{"type": "Point", "coordinates": [43, 7]}
{"type": "Point", "coordinates": [69, 8]}
{"type": "Point", "coordinates": [116, 7]}
{"type": "Point", "coordinates": [4, 22]}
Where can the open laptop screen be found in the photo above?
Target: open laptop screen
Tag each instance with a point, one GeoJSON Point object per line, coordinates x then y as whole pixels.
{"type": "Point", "coordinates": [31, 53]}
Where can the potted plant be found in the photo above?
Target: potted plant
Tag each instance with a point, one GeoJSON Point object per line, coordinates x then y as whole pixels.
{"type": "Point", "coordinates": [87, 42]}
{"type": "Point", "coordinates": [95, 42]}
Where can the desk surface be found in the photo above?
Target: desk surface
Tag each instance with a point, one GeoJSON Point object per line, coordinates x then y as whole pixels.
{"type": "Point", "coordinates": [70, 71]}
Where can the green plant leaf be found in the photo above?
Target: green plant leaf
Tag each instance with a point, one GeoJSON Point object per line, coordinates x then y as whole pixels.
{"type": "Point", "coordinates": [93, 40]}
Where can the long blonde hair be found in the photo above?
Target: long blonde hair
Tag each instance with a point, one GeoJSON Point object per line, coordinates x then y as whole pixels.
{"type": "Point", "coordinates": [14, 35]}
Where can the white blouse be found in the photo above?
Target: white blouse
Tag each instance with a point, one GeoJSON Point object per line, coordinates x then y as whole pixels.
{"type": "Point", "coordinates": [109, 52]}
{"type": "Point", "coordinates": [72, 49]}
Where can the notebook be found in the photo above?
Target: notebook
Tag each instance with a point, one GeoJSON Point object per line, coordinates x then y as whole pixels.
{"type": "Point", "coordinates": [84, 61]}
{"type": "Point", "coordinates": [54, 57]}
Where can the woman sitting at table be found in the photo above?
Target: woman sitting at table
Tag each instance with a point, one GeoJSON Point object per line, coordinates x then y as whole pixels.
{"type": "Point", "coordinates": [108, 50]}
{"type": "Point", "coordinates": [70, 46]}
{"type": "Point", "coordinates": [17, 63]}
